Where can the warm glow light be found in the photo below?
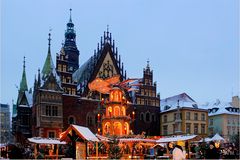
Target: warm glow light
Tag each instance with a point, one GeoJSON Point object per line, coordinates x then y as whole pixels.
{"type": "Point", "coordinates": [217, 144]}
{"type": "Point", "coordinates": [133, 112]}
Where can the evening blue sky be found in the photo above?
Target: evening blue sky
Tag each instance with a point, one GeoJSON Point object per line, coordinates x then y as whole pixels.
{"type": "Point", "coordinates": [192, 45]}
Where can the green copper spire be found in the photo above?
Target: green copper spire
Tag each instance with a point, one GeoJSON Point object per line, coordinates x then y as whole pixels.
{"type": "Point", "coordinates": [48, 65]}
{"type": "Point", "coordinates": [23, 83]}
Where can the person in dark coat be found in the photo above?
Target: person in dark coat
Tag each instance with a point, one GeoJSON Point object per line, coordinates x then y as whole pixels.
{"type": "Point", "coordinates": [212, 152]}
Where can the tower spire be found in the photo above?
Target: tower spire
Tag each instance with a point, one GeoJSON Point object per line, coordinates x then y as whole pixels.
{"type": "Point", "coordinates": [70, 20]}
{"type": "Point", "coordinates": [23, 83]}
{"type": "Point", "coordinates": [49, 41]}
{"type": "Point", "coordinates": [48, 65]}
{"type": "Point", "coordinates": [148, 64]}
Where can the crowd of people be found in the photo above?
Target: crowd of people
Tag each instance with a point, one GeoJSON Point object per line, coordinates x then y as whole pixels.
{"type": "Point", "coordinates": [206, 151]}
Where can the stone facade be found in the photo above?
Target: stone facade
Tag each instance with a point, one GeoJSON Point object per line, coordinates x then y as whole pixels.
{"type": "Point", "coordinates": [193, 120]}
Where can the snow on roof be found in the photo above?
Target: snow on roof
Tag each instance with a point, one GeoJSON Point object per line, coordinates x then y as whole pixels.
{"type": "Point", "coordinates": [181, 100]}
{"type": "Point", "coordinates": [22, 105]}
{"type": "Point", "coordinates": [86, 133]}
{"type": "Point", "coordinates": [136, 140]}
{"type": "Point", "coordinates": [216, 137]}
{"type": "Point", "coordinates": [176, 138]}
{"type": "Point", "coordinates": [40, 140]}
{"type": "Point", "coordinates": [89, 99]}
{"type": "Point", "coordinates": [29, 97]}
{"type": "Point", "coordinates": [218, 107]}
{"type": "Point", "coordinates": [103, 138]}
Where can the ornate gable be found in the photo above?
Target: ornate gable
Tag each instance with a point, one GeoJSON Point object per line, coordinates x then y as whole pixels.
{"type": "Point", "coordinates": [104, 63]}
{"type": "Point", "coordinates": [51, 83]}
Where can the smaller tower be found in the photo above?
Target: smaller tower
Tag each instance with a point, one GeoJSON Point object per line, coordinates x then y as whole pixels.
{"type": "Point", "coordinates": [67, 59]}
{"type": "Point", "coordinates": [115, 121]}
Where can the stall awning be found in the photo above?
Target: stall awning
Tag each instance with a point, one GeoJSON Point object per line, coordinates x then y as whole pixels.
{"type": "Point", "coordinates": [81, 131]}
{"type": "Point", "coordinates": [40, 140]}
{"type": "Point", "coordinates": [137, 140]}
{"type": "Point", "coordinates": [176, 138]}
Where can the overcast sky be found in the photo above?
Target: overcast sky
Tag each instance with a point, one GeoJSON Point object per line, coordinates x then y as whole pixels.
{"type": "Point", "coordinates": [192, 45]}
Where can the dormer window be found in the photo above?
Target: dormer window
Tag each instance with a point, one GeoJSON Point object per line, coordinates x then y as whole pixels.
{"type": "Point", "coordinates": [195, 106]}
{"type": "Point", "coordinates": [166, 107]}
{"type": "Point", "coordinates": [209, 110]}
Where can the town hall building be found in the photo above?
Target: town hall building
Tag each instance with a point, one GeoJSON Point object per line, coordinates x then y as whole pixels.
{"type": "Point", "coordinates": [61, 95]}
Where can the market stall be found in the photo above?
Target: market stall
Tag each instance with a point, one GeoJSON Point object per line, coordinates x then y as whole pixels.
{"type": "Point", "coordinates": [46, 141]}
{"type": "Point", "coordinates": [81, 137]}
{"type": "Point", "coordinates": [183, 140]}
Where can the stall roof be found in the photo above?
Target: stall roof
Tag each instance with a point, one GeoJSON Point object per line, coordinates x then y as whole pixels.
{"type": "Point", "coordinates": [103, 138]}
{"type": "Point", "coordinates": [40, 140]}
{"type": "Point", "coordinates": [216, 137]}
{"type": "Point", "coordinates": [136, 140]}
{"type": "Point", "coordinates": [176, 138]}
{"type": "Point", "coordinates": [81, 131]}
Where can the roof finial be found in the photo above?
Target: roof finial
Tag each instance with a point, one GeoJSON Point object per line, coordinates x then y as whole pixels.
{"type": "Point", "coordinates": [148, 63]}
{"type": "Point", "coordinates": [70, 20]}
{"type": "Point", "coordinates": [24, 62]}
{"type": "Point", "coordinates": [49, 39]}
{"type": "Point", "coordinates": [107, 31]}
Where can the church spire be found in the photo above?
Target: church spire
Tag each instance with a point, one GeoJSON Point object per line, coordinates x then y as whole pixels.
{"type": "Point", "coordinates": [23, 83]}
{"type": "Point", "coordinates": [48, 65]}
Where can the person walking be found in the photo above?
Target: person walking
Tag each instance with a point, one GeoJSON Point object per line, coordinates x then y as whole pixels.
{"type": "Point", "coordinates": [212, 152]}
{"type": "Point", "coordinates": [178, 153]}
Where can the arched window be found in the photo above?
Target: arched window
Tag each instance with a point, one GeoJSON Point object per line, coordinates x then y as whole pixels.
{"type": "Point", "coordinates": [116, 111]}
{"type": "Point", "coordinates": [141, 117]}
{"type": "Point", "coordinates": [123, 111]}
{"type": "Point", "coordinates": [148, 117]}
{"type": "Point", "coordinates": [109, 113]}
{"type": "Point", "coordinates": [107, 128]}
{"type": "Point", "coordinates": [126, 128]}
{"type": "Point", "coordinates": [90, 121]}
{"type": "Point", "coordinates": [71, 120]}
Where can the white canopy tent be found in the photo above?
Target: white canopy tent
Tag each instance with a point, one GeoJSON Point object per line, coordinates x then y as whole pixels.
{"type": "Point", "coordinates": [216, 137]}
{"type": "Point", "coordinates": [176, 138]}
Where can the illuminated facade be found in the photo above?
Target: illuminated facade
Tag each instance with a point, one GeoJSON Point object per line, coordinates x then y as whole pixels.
{"type": "Point", "coordinates": [115, 121]}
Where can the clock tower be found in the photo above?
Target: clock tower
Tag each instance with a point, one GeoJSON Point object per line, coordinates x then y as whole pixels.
{"type": "Point", "coordinates": [68, 59]}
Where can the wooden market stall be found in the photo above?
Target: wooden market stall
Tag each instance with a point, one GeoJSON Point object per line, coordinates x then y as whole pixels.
{"type": "Point", "coordinates": [182, 139]}
{"type": "Point", "coordinates": [80, 137]}
{"type": "Point", "coordinates": [137, 146]}
{"type": "Point", "coordinates": [46, 141]}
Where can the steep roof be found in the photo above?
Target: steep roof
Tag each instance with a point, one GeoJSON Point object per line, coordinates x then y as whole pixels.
{"type": "Point", "coordinates": [218, 107]}
{"type": "Point", "coordinates": [49, 68]}
{"type": "Point", "coordinates": [25, 99]}
{"type": "Point", "coordinates": [181, 100]}
{"type": "Point", "coordinates": [81, 131]}
{"type": "Point", "coordinates": [23, 83]}
{"type": "Point", "coordinates": [88, 71]}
